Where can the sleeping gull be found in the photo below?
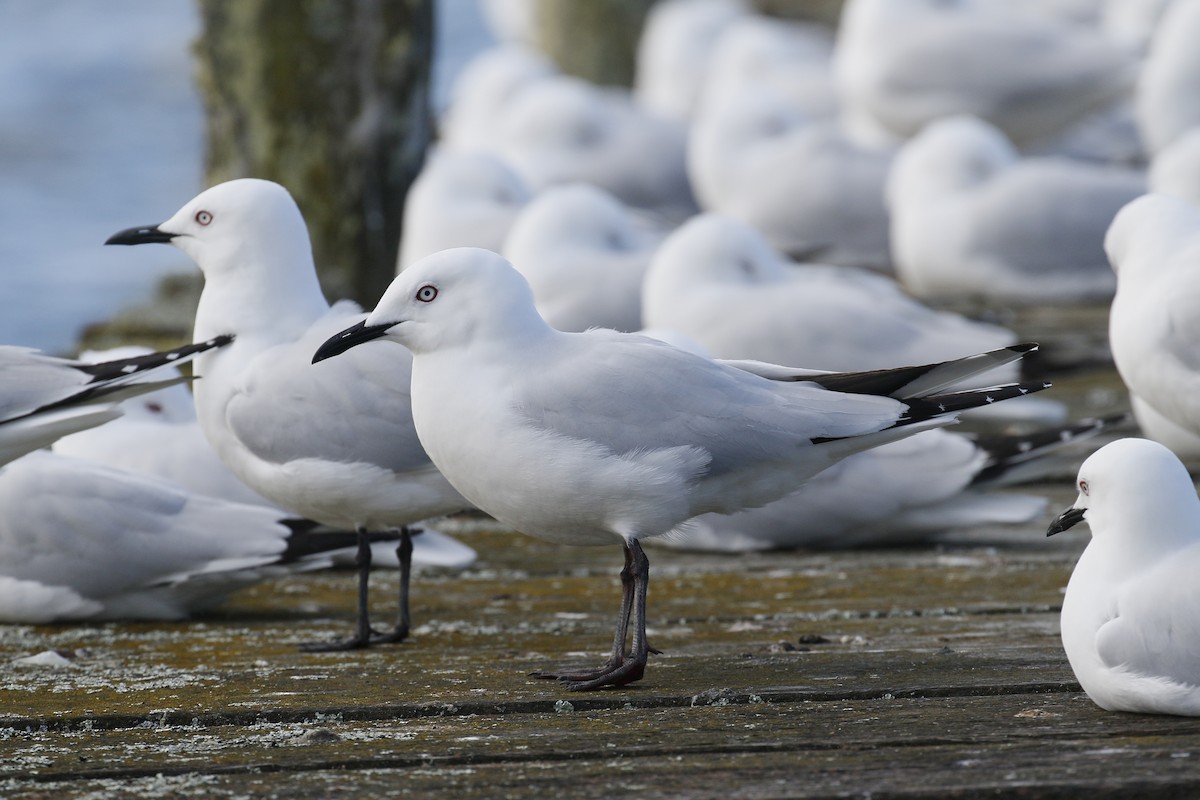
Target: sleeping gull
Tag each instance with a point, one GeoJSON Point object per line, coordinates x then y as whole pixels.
{"type": "Point", "coordinates": [487, 85]}
{"type": "Point", "coordinates": [584, 253]}
{"type": "Point", "coordinates": [900, 493]}
{"type": "Point", "coordinates": [1175, 169]}
{"type": "Point", "coordinates": [1166, 97]}
{"type": "Point", "coordinates": [81, 540]}
{"type": "Point", "coordinates": [972, 219]}
{"type": "Point", "coordinates": [460, 200]}
{"type": "Point", "coordinates": [560, 129]}
{"type": "Point", "coordinates": [1154, 322]}
{"type": "Point", "coordinates": [158, 435]}
{"type": "Point", "coordinates": [334, 444]}
{"type": "Point", "coordinates": [44, 397]}
{"type": "Point", "coordinates": [719, 282]}
{"type": "Point", "coordinates": [603, 437]}
{"type": "Point", "coordinates": [1129, 615]}
{"type": "Point", "coordinates": [674, 55]}
{"type": "Point", "coordinates": [761, 157]}
{"type": "Point", "coordinates": [901, 64]}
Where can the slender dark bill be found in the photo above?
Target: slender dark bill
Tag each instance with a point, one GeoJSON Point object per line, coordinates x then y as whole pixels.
{"type": "Point", "coordinates": [352, 336]}
{"type": "Point", "coordinates": [1067, 519]}
{"type": "Point", "coordinates": [143, 234]}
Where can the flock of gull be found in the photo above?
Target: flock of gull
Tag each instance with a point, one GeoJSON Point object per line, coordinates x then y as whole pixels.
{"type": "Point", "coordinates": [701, 311]}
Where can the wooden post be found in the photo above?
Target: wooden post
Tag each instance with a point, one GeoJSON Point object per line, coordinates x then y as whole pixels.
{"type": "Point", "coordinates": [592, 39]}
{"type": "Point", "coordinates": [827, 11]}
{"type": "Point", "coordinates": [331, 99]}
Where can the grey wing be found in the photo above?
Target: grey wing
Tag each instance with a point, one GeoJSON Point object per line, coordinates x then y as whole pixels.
{"type": "Point", "coordinates": [633, 394]}
{"type": "Point", "coordinates": [1051, 218]}
{"type": "Point", "coordinates": [32, 380]}
{"type": "Point", "coordinates": [354, 408]}
{"type": "Point", "coordinates": [99, 530]}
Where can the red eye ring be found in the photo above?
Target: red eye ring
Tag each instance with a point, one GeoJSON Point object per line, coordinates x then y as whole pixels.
{"type": "Point", "coordinates": [1083, 487]}
{"type": "Point", "coordinates": [427, 293]}
{"type": "Point", "coordinates": [204, 217]}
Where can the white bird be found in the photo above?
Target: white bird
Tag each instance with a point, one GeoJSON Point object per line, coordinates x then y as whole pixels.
{"type": "Point", "coordinates": [1154, 322]}
{"type": "Point", "coordinates": [584, 254]}
{"type": "Point", "coordinates": [1078, 12]}
{"type": "Point", "coordinates": [333, 444]}
{"type": "Point", "coordinates": [487, 85]}
{"type": "Point", "coordinates": [460, 199]}
{"type": "Point", "coordinates": [81, 540]}
{"type": "Point", "coordinates": [793, 60]}
{"type": "Point", "coordinates": [158, 435]}
{"type": "Point", "coordinates": [44, 398]}
{"type": "Point", "coordinates": [900, 64]}
{"type": "Point", "coordinates": [1166, 95]}
{"type": "Point", "coordinates": [797, 177]}
{"type": "Point", "coordinates": [561, 129]}
{"type": "Point", "coordinates": [901, 493]}
{"type": "Point", "coordinates": [1175, 169]}
{"type": "Point", "coordinates": [971, 218]}
{"type": "Point", "coordinates": [720, 283]}
{"type": "Point", "coordinates": [675, 50]}
{"type": "Point", "coordinates": [1131, 23]}
{"type": "Point", "coordinates": [603, 437]}
{"type": "Point", "coordinates": [1131, 617]}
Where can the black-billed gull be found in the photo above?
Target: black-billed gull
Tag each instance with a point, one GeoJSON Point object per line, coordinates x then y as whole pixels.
{"type": "Point", "coordinates": [333, 444]}
{"type": "Point", "coordinates": [603, 437]}
{"type": "Point", "coordinates": [1130, 623]}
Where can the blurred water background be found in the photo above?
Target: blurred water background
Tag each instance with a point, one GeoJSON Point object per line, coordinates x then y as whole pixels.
{"type": "Point", "coordinates": [101, 128]}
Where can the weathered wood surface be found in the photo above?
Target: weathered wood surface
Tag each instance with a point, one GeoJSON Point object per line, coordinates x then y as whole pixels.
{"type": "Point", "coordinates": [908, 672]}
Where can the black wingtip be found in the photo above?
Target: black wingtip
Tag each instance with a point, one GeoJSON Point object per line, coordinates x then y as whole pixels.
{"type": "Point", "coordinates": [142, 234]}
{"type": "Point", "coordinates": [351, 337]}
{"type": "Point", "coordinates": [310, 538]}
{"type": "Point", "coordinates": [108, 370]}
{"type": "Point", "coordinates": [923, 408]}
{"type": "Point", "coordinates": [1006, 453]}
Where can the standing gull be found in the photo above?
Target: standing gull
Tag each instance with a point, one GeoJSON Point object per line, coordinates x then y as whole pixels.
{"type": "Point", "coordinates": [334, 444]}
{"type": "Point", "coordinates": [1129, 618]}
{"type": "Point", "coordinates": [603, 437]}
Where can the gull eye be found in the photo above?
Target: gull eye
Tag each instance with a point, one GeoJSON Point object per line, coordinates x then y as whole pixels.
{"type": "Point", "coordinates": [426, 293]}
{"type": "Point", "coordinates": [1083, 487]}
{"type": "Point", "coordinates": [203, 217]}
